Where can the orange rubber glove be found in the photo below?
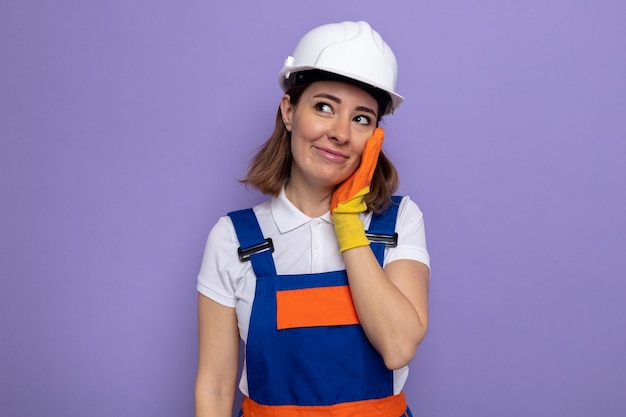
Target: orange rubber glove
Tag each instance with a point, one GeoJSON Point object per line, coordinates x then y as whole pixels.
{"type": "Point", "coordinates": [348, 199]}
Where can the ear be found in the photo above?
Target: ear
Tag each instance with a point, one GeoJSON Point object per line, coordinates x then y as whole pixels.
{"type": "Point", "coordinates": [286, 109]}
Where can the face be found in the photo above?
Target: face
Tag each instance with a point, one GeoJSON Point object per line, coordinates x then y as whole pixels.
{"type": "Point", "coordinates": [329, 128]}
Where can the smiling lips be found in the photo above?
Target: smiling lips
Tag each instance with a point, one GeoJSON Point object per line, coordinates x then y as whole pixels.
{"type": "Point", "coordinates": [332, 155]}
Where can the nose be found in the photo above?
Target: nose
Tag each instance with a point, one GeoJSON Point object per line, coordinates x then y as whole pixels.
{"type": "Point", "coordinates": [340, 131]}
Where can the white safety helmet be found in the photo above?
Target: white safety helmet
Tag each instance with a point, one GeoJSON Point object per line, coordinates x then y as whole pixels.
{"type": "Point", "coordinates": [350, 49]}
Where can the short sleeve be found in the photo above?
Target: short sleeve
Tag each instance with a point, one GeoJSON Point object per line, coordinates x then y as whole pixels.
{"type": "Point", "coordinates": [411, 235]}
{"type": "Point", "coordinates": [220, 264]}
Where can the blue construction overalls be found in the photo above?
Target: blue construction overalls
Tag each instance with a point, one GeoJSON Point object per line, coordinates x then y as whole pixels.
{"type": "Point", "coordinates": [306, 353]}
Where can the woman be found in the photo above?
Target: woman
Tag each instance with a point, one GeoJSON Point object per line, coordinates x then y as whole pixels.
{"type": "Point", "coordinates": [327, 282]}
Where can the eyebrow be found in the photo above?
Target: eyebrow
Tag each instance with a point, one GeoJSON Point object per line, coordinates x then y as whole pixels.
{"type": "Point", "coordinates": [338, 101]}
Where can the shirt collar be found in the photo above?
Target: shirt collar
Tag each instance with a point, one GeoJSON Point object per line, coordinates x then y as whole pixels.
{"type": "Point", "coordinates": [287, 216]}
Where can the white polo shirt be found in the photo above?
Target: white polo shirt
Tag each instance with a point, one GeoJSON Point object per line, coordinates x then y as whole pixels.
{"type": "Point", "coordinates": [302, 245]}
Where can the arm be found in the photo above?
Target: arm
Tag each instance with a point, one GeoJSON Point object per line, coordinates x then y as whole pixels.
{"type": "Point", "coordinates": [392, 304]}
{"type": "Point", "coordinates": [218, 355]}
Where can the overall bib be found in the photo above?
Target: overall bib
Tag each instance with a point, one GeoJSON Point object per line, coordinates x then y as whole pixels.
{"type": "Point", "coordinates": [306, 353]}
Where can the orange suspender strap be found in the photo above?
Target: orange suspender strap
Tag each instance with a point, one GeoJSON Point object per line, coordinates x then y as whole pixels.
{"type": "Point", "coordinates": [393, 406]}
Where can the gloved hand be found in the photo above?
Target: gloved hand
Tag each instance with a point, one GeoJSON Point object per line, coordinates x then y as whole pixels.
{"type": "Point", "coordinates": [348, 199]}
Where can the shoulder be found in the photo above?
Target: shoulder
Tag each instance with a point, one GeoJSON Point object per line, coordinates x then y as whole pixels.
{"type": "Point", "coordinates": [222, 242]}
{"type": "Point", "coordinates": [410, 219]}
{"type": "Point", "coordinates": [409, 209]}
{"type": "Point", "coordinates": [221, 271]}
{"type": "Point", "coordinates": [411, 234]}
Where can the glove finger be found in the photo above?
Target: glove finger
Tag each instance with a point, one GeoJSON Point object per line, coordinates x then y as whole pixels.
{"type": "Point", "coordinates": [369, 159]}
{"type": "Point", "coordinates": [362, 177]}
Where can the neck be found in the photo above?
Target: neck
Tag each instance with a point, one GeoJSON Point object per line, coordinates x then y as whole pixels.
{"type": "Point", "coordinates": [310, 201]}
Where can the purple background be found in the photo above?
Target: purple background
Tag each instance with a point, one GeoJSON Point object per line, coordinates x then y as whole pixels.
{"type": "Point", "coordinates": [125, 124]}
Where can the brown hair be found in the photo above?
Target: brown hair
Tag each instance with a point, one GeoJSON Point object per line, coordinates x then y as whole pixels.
{"type": "Point", "coordinates": [271, 166]}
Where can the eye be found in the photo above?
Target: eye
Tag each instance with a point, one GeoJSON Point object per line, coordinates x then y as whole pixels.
{"type": "Point", "coordinates": [323, 107]}
{"type": "Point", "coordinates": [362, 119]}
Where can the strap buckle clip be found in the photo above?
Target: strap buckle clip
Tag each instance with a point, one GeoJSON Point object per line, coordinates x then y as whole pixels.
{"type": "Point", "coordinates": [244, 254]}
{"type": "Point", "coordinates": [390, 241]}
